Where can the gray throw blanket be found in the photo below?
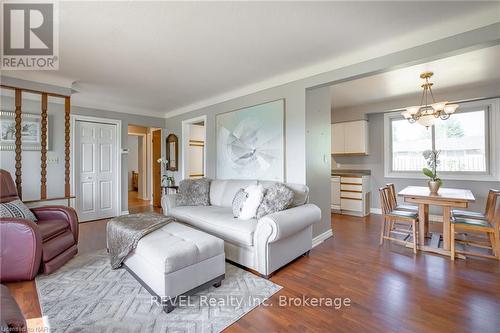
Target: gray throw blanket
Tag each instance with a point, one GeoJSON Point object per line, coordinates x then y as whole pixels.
{"type": "Point", "coordinates": [124, 232]}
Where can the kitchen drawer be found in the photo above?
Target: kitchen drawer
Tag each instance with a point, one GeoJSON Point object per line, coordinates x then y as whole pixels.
{"type": "Point", "coordinates": [351, 195]}
{"type": "Point", "coordinates": [348, 187]}
{"type": "Point", "coordinates": [351, 180]}
{"type": "Point", "coordinates": [351, 204]}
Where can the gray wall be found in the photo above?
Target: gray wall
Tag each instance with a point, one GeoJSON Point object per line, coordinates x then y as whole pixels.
{"type": "Point", "coordinates": [318, 161]}
{"type": "Point", "coordinates": [375, 162]}
{"type": "Point", "coordinates": [55, 173]}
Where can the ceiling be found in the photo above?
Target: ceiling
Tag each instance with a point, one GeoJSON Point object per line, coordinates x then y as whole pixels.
{"type": "Point", "coordinates": [479, 67]}
{"type": "Point", "coordinates": [162, 58]}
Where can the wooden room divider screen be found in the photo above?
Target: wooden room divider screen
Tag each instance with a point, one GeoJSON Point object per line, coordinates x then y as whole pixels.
{"type": "Point", "coordinates": [43, 151]}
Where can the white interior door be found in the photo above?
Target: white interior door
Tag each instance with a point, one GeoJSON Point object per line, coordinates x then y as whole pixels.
{"type": "Point", "coordinates": [96, 170]}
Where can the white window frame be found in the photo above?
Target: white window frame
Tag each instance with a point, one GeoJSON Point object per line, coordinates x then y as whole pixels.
{"type": "Point", "coordinates": [492, 108]}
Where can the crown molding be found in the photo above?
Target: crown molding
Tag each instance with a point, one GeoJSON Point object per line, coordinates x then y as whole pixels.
{"type": "Point", "coordinates": [113, 107]}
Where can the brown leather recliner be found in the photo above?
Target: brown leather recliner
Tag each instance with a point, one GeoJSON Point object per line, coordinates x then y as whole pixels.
{"type": "Point", "coordinates": [27, 247]}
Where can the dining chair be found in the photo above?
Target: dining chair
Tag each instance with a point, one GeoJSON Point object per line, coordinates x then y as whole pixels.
{"type": "Point", "coordinates": [478, 215]}
{"type": "Point", "coordinates": [394, 200]}
{"type": "Point", "coordinates": [490, 226]}
{"type": "Point", "coordinates": [392, 219]}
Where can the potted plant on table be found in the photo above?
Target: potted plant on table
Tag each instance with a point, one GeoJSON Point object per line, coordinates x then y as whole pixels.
{"type": "Point", "coordinates": [431, 157]}
{"type": "Point", "coordinates": [166, 179]}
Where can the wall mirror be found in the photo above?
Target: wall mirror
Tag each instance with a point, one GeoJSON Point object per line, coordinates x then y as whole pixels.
{"type": "Point", "coordinates": [172, 144]}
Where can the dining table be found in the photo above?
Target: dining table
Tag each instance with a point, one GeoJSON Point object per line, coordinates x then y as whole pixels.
{"type": "Point", "coordinates": [447, 198]}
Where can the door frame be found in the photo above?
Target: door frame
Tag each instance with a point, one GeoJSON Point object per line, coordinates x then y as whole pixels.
{"type": "Point", "coordinates": [185, 143]}
{"type": "Point", "coordinates": [118, 176]}
{"type": "Point", "coordinates": [146, 166]}
{"type": "Point", "coordinates": [149, 158]}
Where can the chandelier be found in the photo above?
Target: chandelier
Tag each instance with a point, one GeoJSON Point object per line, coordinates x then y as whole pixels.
{"type": "Point", "coordinates": [426, 114]}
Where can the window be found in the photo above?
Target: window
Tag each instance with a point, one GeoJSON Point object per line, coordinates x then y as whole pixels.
{"type": "Point", "coordinates": [409, 141]}
{"type": "Point", "coordinates": [464, 140]}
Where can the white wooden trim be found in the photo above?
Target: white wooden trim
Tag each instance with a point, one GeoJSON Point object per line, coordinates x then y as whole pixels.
{"type": "Point", "coordinates": [149, 164]}
{"type": "Point", "coordinates": [124, 212]}
{"type": "Point", "coordinates": [493, 145]}
{"type": "Point", "coordinates": [322, 237]}
{"type": "Point", "coordinates": [185, 143]}
{"type": "Point", "coordinates": [118, 133]}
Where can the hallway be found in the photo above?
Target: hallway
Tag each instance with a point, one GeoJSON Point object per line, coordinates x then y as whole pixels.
{"type": "Point", "coordinates": [137, 205]}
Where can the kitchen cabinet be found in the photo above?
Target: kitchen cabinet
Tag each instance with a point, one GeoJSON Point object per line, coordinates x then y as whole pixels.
{"type": "Point", "coordinates": [350, 138]}
{"type": "Point", "coordinates": [351, 194]}
{"type": "Point", "coordinates": [338, 138]}
{"type": "Point", "coordinates": [335, 184]}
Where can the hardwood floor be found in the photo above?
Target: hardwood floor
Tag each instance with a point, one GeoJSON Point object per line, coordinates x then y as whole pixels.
{"type": "Point", "coordinates": [390, 289]}
{"type": "Point", "coordinates": [137, 205]}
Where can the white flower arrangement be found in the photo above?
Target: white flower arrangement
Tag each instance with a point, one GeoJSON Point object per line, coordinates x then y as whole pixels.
{"type": "Point", "coordinates": [166, 179]}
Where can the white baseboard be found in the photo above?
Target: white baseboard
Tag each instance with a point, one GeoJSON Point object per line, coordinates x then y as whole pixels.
{"type": "Point", "coordinates": [322, 237]}
{"type": "Point", "coordinates": [124, 212]}
{"type": "Point", "coordinates": [432, 218]}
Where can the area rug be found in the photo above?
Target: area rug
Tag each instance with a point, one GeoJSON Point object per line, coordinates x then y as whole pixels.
{"type": "Point", "coordinates": [86, 295]}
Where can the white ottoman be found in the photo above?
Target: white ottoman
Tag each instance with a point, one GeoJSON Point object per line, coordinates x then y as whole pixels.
{"type": "Point", "coordinates": [177, 260]}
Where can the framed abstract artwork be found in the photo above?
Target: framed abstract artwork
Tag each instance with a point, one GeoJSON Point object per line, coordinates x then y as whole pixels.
{"type": "Point", "coordinates": [31, 131]}
{"type": "Point", "coordinates": [251, 142]}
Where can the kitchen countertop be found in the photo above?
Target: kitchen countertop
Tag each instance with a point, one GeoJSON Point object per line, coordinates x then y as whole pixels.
{"type": "Point", "coordinates": [350, 172]}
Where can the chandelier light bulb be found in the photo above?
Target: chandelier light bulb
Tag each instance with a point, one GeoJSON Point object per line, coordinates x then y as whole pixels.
{"type": "Point", "coordinates": [438, 106]}
{"type": "Point", "coordinates": [450, 108]}
{"type": "Point", "coordinates": [412, 110]}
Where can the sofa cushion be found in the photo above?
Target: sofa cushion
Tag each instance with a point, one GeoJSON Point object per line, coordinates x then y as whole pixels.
{"type": "Point", "coordinates": [52, 228]}
{"type": "Point", "coordinates": [16, 208]}
{"type": "Point", "coordinates": [222, 192]}
{"type": "Point", "coordinates": [249, 208]}
{"type": "Point", "coordinates": [277, 198]}
{"type": "Point", "coordinates": [218, 221]}
{"type": "Point", "coordinates": [300, 191]}
{"type": "Point", "coordinates": [238, 201]}
{"type": "Point", "coordinates": [194, 192]}
{"type": "Point", "coordinates": [217, 187]}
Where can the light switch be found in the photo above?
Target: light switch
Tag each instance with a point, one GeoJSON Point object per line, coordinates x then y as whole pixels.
{"type": "Point", "coordinates": [52, 160]}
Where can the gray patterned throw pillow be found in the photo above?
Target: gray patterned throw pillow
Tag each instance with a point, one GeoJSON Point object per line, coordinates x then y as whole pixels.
{"type": "Point", "coordinates": [194, 192]}
{"type": "Point", "coordinates": [16, 208]}
{"type": "Point", "coordinates": [277, 198]}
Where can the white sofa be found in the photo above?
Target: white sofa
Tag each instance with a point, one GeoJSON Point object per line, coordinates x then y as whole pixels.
{"type": "Point", "coordinates": [263, 245]}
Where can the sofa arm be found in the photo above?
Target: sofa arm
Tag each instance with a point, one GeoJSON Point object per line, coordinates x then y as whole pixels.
{"type": "Point", "coordinates": [285, 223]}
{"type": "Point", "coordinates": [168, 202]}
{"type": "Point", "coordinates": [20, 249]}
{"type": "Point", "coordinates": [61, 213]}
